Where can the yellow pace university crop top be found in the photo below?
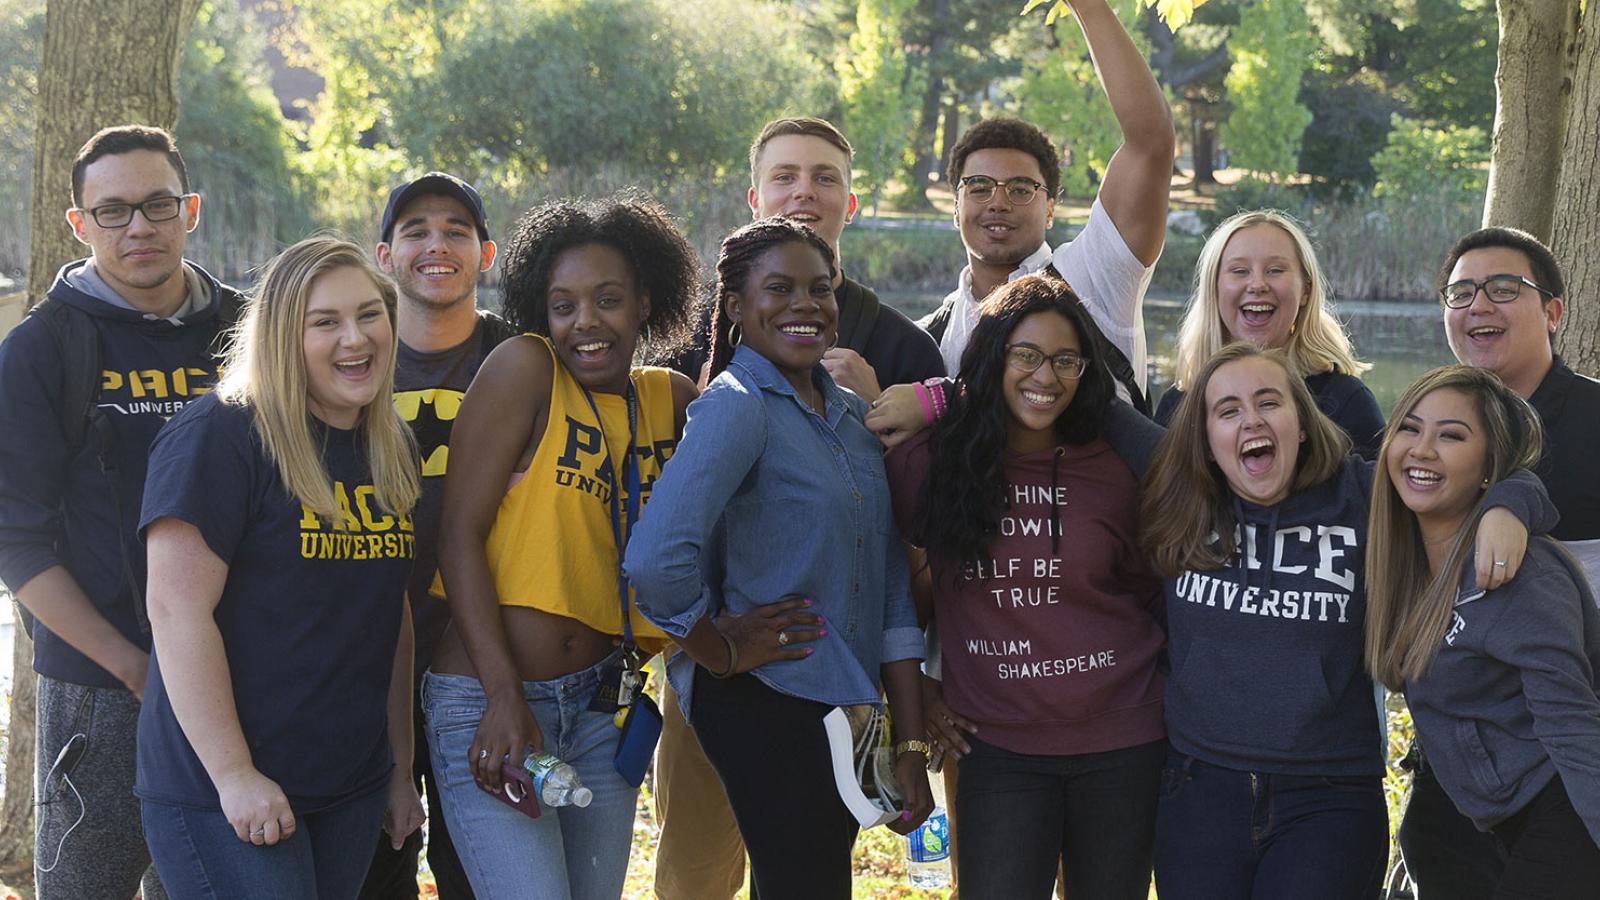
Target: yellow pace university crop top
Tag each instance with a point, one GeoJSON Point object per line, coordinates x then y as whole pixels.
{"type": "Point", "coordinates": [551, 547]}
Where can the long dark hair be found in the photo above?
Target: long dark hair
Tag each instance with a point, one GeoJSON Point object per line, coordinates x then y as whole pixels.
{"type": "Point", "coordinates": [965, 494]}
{"type": "Point", "coordinates": [664, 264]}
{"type": "Point", "coordinates": [740, 250]}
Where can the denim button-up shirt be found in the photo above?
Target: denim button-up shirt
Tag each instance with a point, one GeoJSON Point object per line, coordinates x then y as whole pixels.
{"type": "Point", "coordinates": [765, 498]}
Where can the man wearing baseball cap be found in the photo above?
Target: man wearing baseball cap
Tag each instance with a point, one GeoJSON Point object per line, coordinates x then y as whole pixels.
{"type": "Point", "coordinates": [434, 241]}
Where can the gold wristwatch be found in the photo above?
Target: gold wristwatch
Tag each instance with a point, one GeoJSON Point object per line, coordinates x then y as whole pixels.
{"type": "Point", "coordinates": [905, 747]}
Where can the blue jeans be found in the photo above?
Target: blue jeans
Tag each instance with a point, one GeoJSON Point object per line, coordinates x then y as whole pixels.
{"type": "Point", "coordinates": [567, 851]}
{"type": "Point", "coordinates": [1223, 834]}
{"type": "Point", "coordinates": [200, 858]}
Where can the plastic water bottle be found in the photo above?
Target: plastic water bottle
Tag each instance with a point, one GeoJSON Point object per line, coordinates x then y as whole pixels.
{"type": "Point", "coordinates": [928, 852]}
{"type": "Point", "coordinates": [556, 782]}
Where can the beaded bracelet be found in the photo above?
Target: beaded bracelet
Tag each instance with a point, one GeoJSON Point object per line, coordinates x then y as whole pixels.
{"type": "Point", "coordinates": [935, 393]}
{"type": "Point", "coordinates": [923, 397]}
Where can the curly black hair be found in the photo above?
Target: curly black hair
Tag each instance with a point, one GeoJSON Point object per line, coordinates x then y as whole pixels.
{"type": "Point", "coordinates": [740, 250]}
{"type": "Point", "coordinates": [964, 496]}
{"type": "Point", "coordinates": [1007, 133]}
{"type": "Point", "coordinates": [664, 264]}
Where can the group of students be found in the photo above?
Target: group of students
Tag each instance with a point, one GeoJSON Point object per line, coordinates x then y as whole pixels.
{"type": "Point", "coordinates": [404, 542]}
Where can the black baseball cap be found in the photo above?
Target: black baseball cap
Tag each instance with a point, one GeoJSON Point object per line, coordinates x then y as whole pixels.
{"type": "Point", "coordinates": [434, 183]}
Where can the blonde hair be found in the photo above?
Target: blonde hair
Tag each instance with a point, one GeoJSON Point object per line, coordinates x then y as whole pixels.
{"type": "Point", "coordinates": [265, 370]}
{"type": "Point", "coordinates": [1184, 498]}
{"type": "Point", "coordinates": [1408, 606]}
{"type": "Point", "coordinates": [1317, 344]}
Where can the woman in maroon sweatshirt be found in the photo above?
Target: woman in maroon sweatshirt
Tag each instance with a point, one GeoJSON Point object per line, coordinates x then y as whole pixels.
{"type": "Point", "coordinates": [1047, 615]}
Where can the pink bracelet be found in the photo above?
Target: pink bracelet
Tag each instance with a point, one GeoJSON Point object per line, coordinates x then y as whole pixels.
{"type": "Point", "coordinates": [935, 389]}
{"type": "Point", "coordinates": [927, 403]}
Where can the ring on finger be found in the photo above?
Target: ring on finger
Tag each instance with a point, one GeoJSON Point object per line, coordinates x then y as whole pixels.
{"type": "Point", "coordinates": [1500, 564]}
{"type": "Point", "coordinates": [783, 639]}
{"type": "Point", "coordinates": [259, 832]}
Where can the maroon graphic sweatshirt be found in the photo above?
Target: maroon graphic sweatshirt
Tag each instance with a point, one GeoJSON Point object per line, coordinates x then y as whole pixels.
{"type": "Point", "coordinates": [1051, 641]}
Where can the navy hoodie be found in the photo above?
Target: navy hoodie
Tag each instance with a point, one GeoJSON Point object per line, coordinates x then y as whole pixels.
{"type": "Point", "coordinates": [56, 510]}
{"type": "Point", "coordinates": [1511, 700]}
{"type": "Point", "coordinates": [1267, 652]}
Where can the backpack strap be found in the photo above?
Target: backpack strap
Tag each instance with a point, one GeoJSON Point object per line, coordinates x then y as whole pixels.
{"type": "Point", "coordinates": [857, 322]}
{"type": "Point", "coordinates": [1116, 360]}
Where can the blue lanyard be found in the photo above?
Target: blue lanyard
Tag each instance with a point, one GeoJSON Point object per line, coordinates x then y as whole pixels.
{"type": "Point", "coordinates": [622, 527]}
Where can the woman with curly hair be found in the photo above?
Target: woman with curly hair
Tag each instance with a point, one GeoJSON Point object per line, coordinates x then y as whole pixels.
{"type": "Point", "coordinates": [1258, 280]}
{"type": "Point", "coordinates": [1048, 615]}
{"type": "Point", "coordinates": [768, 554]}
{"type": "Point", "coordinates": [556, 445]}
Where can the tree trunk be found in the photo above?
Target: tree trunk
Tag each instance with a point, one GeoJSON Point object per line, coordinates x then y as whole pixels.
{"type": "Point", "coordinates": [1575, 228]}
{"type": "Point", "coordinates": [1204, 149]}
{"type": "Point", "coordinates": [952, 133]}
{"type": "Point", "coordinates": [1532, 95]}
{"type": "Point", "coordinates": [105, 62]}
{"type": "Point", "coordinates": [16, 808]}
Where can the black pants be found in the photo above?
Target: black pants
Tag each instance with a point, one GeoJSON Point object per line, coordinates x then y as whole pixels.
{"type": "Point", "coordinates": [1447, 857]}
{"type": "Point", "coordinates": [1550, 853]}
{"type": "Point", "coordinates": [1018, 815]}
{"type": "Point", "coordinates": [771, 753]}
{"type": "Point", "coordinates": [393, 873]}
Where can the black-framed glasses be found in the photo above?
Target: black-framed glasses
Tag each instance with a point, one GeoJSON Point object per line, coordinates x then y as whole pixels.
{"type": "Point", "coordinates": [1066, 364]}
{"type": "Point", "coordinates": [1502, 288]}
{"type": "Point", "coordinates": [1019, 190]}
{"type": "Point", "coordinates": [156, 209]}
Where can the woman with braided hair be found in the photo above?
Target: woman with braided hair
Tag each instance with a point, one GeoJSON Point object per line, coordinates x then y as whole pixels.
{"type": "Point", "coordinates": [768, 554]}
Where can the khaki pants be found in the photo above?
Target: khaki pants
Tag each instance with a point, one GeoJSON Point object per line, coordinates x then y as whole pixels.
{"type": "Point", "coordinates": [701, 856]}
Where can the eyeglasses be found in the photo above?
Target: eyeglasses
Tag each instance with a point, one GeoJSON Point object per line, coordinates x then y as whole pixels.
{"type": "Point", "coordinates": [156, 209]}
{"type": "Point", "coordinates": [1020, 190]}
{"type": "Point", "coordinates": [1498, 288]}
{"type": "Point", "coordinates": [1066, 364]}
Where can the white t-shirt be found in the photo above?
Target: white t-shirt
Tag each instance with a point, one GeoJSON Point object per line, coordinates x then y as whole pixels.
{"type": "Point", "coordinates": [1103, 272]}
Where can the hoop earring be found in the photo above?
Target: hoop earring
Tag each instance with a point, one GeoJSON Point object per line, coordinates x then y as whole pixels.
{"type": "Point", "coordinates": [835, 342]}
{"type": "Point", "coordinates": [735, 335]}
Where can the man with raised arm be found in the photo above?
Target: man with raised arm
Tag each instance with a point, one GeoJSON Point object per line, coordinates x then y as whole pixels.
{"type": "Point", "coordinates": [1005, 174]}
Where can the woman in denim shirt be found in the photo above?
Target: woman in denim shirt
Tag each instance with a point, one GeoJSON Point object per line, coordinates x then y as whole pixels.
{"type": "Point", "coordinates": [777, 493]}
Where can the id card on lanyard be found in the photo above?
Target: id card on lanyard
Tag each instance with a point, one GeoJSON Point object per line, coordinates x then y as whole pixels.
{"type": "Point", "coordinates": [621, 682]}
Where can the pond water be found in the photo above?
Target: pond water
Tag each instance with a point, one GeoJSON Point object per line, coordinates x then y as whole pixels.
{"type": "Point", "coordinates": [1401, 339]}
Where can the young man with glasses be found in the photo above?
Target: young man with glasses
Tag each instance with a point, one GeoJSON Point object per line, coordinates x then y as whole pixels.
{"type": "Point", "coordinates": [434, 241]}
{"type": "Point", "coordinates": [1502, 295]}
{"type": "Point", "coordinates": [1006, 174]}
{"type": "Point", "coordinates": [147, 323]}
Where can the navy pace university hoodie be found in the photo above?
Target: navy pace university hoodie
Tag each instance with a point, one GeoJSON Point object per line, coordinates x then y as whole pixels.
{"type": "Point", "coordinates": [56, 510]}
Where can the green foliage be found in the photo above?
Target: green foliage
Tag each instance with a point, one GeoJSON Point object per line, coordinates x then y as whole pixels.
{"type": "Point", "coordinates": [1420, 162]}
{"type": "Point", "coordinates": [1252, 193]}
{"type": "Point", "coordinates": [1350, 123]}
{"type": "Point", "coordinates": [1059, 92]}
{"type": "Point", "coordinates": [875, 80]}
{"type": "Point", "coordinates": [583, 82]}
{"type": "Point", "coordinates": [236, 144]}
{"type": "Point", "coordinates": [1270, 52]}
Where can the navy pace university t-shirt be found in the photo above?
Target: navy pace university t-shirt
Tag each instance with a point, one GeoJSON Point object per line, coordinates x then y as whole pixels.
{"type": "Point", "coordinates": [309, 614]}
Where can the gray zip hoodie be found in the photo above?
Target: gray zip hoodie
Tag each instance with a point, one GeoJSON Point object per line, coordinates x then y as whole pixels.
{"type": "Point", "coordinates": [1511, 701]}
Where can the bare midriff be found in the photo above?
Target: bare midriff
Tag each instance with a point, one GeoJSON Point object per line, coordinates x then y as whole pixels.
{"type": "Point", "coordinates": [543, 645]}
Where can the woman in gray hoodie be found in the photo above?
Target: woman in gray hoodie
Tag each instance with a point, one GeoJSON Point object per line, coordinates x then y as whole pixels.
{"type": "Point", "coordinates": [1501, 683]}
